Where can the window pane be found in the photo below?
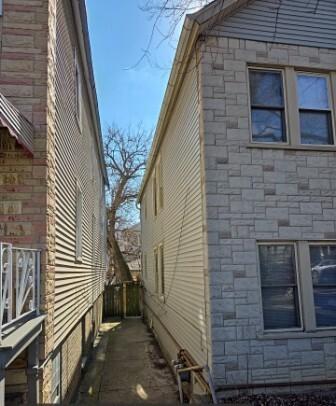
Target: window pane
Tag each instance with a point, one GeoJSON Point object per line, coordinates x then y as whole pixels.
{"type": "Point", "coordinates": [280, 308]}
{"type": "Point", "coordinates": [316, 128]}
{"type": "Point", "coordinates": [323, 266]}
{"type": "Point", "coordinates": [268, 126]}
{"type": "Point", "coordinates": [325, 306]}
{"type": "Point", "coordinates": [266, 88]}
{"type": "Point", "coordinates": [277, 265]}
{"type": "Point", "coordinates": [313, 92]}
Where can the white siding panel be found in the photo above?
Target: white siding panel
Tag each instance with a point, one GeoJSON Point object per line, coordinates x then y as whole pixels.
{"type": "Point", "coordinates": [297, 22]}
{"type": "Point", "coordinates": [179, 226]}
{"type": "Point", "coordinates": [77, 284]}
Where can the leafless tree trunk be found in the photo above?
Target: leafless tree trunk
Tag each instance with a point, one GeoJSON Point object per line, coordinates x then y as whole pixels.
{"type": "Point", "coordinates": [125, 156]}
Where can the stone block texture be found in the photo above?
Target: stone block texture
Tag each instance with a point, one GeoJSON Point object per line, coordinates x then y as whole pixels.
{"type": "Point", "coordinates": [258, 194]}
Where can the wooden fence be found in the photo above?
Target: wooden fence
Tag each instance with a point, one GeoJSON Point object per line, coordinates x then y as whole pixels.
{"type": "Point", "coordinates": [123, 300]}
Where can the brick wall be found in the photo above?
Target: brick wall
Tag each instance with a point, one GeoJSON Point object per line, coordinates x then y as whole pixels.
{"type": "Point", "coordinates": [25, 51]}
{"type": "Point", "coordinates": [258, 194]}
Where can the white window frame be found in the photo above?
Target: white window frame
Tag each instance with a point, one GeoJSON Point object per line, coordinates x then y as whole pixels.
{"type": "Point", "coordinates": [79, 223]}
{"type": "Point", "coordinates": [155, 194]}
{"type": "Point", "coordinates": [56, 379]}
{"type": "Point", "coordinates": [313, 315]}
{"type": "Point", "coordinates": [331, 105]}
{"type": "Point", "coordinates": [161, 260]}
{"type": "Point", "coordinates": [305, 292]}
{"type": "Point", "coordinates": [284, 88]}
{"type": "Point", "coordinates": [78, 91]}
{"type": "Point", "coordinates": [291, 105]}
{"type": "Point", "coordinates": [156, 270]}
{"type": "Point", "coordinates": [297, 273]}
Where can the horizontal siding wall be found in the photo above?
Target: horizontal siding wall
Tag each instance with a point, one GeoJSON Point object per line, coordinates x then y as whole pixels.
{"type": "Point", "coordinates": [179, 226]}
{"type": "Point", "coordinates": [77, 285]}
{"type": "Point", "coordinates": [297, 22]}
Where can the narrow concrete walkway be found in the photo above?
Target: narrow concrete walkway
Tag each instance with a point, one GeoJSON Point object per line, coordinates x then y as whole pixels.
{"type": "Point", "coordinates": [127, 368]}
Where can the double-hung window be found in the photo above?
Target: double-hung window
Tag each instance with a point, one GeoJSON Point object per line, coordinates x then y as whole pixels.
{"type": "Point", "coordinates": [280, 295]}
{"type": "Point", "coordinates": [267, 106]}
{"type": "Point", "coordinates": [314, 109]}
{"type": "Point", "coordinates": [323, 272]}
{"type": "Point", "coordinates": [156, 271]}
{"type": "Point", "coordinates": [301, 115]}
{"type": "Point", "coordinates": [298, 285]}
{"type": "Point", "coordinates": [79, 222]}
{"type": "Point", "coordinates": [162, 271]}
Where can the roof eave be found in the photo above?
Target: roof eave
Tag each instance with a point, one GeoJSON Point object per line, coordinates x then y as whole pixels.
{"type": "Point", "coordinates": [188, 38]}
{"type": "Point", "coordinates": [81, 22]}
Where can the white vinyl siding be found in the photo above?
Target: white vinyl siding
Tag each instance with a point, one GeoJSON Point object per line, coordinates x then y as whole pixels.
{"type": "Point", "coordinates": [77, 285]}
{"type": "Point", "coordinates": [179, 225]}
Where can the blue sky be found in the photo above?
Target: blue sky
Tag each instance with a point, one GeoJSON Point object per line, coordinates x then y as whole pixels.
{"type": "Point", "coordinates": [119, 32]}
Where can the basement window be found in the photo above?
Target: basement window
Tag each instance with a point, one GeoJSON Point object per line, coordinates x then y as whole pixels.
{"type": "Point", "coordinates": [56, 379]}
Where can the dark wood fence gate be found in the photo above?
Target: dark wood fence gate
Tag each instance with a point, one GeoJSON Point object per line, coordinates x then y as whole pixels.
{"type": "Point", "coordinates": [122, 300]}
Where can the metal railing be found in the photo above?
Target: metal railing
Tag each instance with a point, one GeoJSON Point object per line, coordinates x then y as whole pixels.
{"type": "Point", "coordinates": [19, 283]}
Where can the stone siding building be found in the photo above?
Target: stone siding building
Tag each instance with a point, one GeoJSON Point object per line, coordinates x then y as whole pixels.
{"type": "Point", "coordinates": [249, 289]}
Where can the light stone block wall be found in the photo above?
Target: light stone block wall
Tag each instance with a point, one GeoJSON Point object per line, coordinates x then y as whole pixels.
{"type": "Point", "coordinates": [258, 194]}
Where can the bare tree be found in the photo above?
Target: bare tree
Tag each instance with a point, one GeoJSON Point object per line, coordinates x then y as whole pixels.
{"type": "Point", "coordinates": [169, 14]}
{"type": "Point", "coordinates": [125, 154]}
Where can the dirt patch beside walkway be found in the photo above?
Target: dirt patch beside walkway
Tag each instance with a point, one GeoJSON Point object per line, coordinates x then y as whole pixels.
{"type": "Point", "coordinates": [127, 368]}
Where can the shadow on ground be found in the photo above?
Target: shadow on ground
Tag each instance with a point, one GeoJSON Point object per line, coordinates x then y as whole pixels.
{"type": "Point", "coordinates": [126, 368]}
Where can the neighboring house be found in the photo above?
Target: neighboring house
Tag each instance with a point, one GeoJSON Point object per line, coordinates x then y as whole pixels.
{"type": "Point", "coordinates": [238, 203]}
{"type": "Point", "coordinates": [129, 240]}
{"type": "Point", "coordinates": [52, 216]}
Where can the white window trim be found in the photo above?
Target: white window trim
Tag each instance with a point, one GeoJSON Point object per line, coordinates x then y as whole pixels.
{"type": "Point", "coordinates": [156, 270]}
{"type": "Point", "coordinates": [56, 363]}
{"type": "Point", "coordinates": [78, 91]}
{"type": "Point", "coordinates": [284, 89]}
{"type": "Point", "coordinates": [79, 223]}
{"type": "Point", "coordinates": [330, 100]}
{"type": "Point", "coordinates": [292, 119]}
{"type": "Point", "coordinates": [294, 329]}
{"type": "Point", "coordinates": [305, 293]}
{"type": "Point", "coordinates": [161, 271]}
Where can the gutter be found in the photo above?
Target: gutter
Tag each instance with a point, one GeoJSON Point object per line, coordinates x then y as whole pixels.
{"type": "Point", "coordinates": [81, 22]}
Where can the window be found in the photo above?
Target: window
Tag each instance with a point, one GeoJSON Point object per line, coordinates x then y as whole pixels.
{"type": "Point", "coordinates": [79, 222]}
{"type": "Point", "coordinates": [280, 296]}
{"type": "Point", "coordinates": [144, 265]}
{"type": "Point", "coordinates": [155, 205]}
{"type": "Point", "coordinates": [160, 183]}
{"type": "Point", "coordinates": [314, 109]}
{"type": "Point", "coordinates": [1, 7]}
{"type": "Point", "coordinates": [56, 379]}
{"type": "Point", "coordinates": [78, 90]}
{"type": "Point", "coordinates": [162, 277]}
{"type": "Point", "coordinates": [323, 272]}
{"type": "Point", "coordinates": [267, 106]}
{"type": "Point", "coordinates": [156, 270]}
